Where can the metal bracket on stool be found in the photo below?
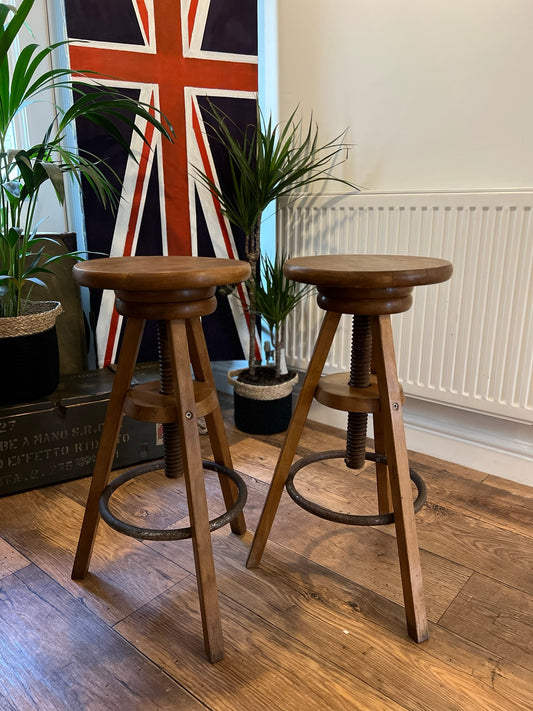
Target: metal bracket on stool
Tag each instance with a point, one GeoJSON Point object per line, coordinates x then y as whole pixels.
{"type": "Point", "coordinates": [172, 534]}
{"type": "Point", "coordinates": [350, 519]}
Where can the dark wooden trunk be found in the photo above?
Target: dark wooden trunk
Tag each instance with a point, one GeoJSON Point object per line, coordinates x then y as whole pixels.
{"type": "Point", "coordinates": [55, 438]}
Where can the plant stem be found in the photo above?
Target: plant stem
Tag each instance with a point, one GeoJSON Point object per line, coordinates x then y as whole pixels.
{"type": "Point", "coordinates": [252, 250]}
{"type": "Point", "coordinates": [280, 345]}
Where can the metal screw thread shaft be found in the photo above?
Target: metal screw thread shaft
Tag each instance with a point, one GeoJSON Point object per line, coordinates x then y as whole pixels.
{"type": "Point", "coordinates": [172, 452]}
{"type": "Point", "coordinates": [359, 378]}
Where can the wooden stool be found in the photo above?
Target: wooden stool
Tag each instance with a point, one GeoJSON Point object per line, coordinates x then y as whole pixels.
{"type": "Point", "coordinates": [371, 287]}
{"type": "Point", "coordinates": [176, 291]}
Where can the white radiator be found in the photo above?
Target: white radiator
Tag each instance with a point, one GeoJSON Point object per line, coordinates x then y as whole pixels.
{"type": "Point", "coordinates": [468, 342]}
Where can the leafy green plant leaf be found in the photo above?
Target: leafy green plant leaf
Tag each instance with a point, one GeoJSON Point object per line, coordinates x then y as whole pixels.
{"type": "Point", "coordinates": [267, 161]}
{"type": "Point", "coordinates": [33, 77]}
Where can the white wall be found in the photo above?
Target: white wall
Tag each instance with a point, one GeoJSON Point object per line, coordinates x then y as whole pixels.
{"type": "Point", "coordinates": [437, 94]}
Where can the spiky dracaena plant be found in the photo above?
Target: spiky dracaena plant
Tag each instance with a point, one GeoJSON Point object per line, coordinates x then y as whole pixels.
{"type": "Point", "coordinates": [276, 297]}
{"type": "Point", "coordinates": [24, 170]}
{"type": "Point", "coordinates": [266, 161]}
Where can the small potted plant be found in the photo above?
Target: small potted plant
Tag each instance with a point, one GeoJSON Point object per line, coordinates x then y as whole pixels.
{"type": "Point", "coordinates": [268, 410]}
{"type": "Point", "coordinates": [266, 161]}
{"type": "Point", "coordinates": [29, 360]}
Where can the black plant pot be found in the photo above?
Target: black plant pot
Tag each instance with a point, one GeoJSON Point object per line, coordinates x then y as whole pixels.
{"type": "Point", "coordinates": [262, 416]}
{"type": "Point", "coordinates": [262, 409]}
{"type": "Point", "coordinates": [29, 367]}
{"type": "Point", "coordinates": [29, 363]}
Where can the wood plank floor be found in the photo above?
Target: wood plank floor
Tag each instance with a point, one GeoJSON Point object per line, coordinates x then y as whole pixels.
{"type": "Point", "coordinates": [319, 625]}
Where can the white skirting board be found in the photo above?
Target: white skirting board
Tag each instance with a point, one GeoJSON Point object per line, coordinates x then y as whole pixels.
{"type": "Point", "coordinates": [489, 444]}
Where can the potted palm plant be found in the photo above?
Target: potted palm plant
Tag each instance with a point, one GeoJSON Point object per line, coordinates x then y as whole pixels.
{"type": "Point", "coordinates": [266, 162]}
{"type": "Point", "coordinates": [28, 344]}
{"type": "Point", "coordinates": [268, 409]}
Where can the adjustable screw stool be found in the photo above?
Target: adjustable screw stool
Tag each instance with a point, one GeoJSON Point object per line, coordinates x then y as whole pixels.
{"type": "Point", "coordinates": [371, 287]}
{"type": "Point", "coordinates": [176, 291]}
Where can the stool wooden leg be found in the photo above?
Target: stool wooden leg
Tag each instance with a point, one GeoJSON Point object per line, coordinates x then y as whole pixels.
{"type": "Point", "coordinates": [394, 437]}
{"type": "Point", "coordinates": [196, 496]}
{"type": "Point", "coordinates": [108, 443]}
{"type": "Point", "coordinates": [214, 421]}
{"type": "Point", "coordinates": [382, 471]}
{"type": "Point", "coordinates": [299, 417]}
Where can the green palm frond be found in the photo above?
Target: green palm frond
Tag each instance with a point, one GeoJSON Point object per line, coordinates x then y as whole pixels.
{"type": "Point", "coordinates": [276, 296]}
{"type": "Point", "coordinates": [31, 77]}
{"type": "Point", "coordinates": [268, 161]}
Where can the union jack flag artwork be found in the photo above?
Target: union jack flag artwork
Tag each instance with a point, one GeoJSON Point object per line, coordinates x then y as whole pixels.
{"type": "Point", "coordinates": [181, 56]}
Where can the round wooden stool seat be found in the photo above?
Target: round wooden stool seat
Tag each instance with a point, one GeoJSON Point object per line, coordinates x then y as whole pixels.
{"type": "Point", "coordinates": [367, 283]}
{"type": "Point", "coordinates": [162, 287]}
{"type": "Point", "coordinates": [175, 291]}
{"type": "Point", "coordinates": [160, 273]}
{"type": "Point", "coordinates": [370, 288]}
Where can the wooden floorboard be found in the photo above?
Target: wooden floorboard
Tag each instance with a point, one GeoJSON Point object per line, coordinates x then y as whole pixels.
{"type": "Point", "coordinates": [57, 655]}
{"type": "Point", "coordinates": [319, 625]}
{"type": "Point", "coordinates": [492, 502]}
{"type": "Point", "coordinates": [264, 667]}
{"type": "Point", "coordinates": [363, 633]}
{"type": "Point", "coordinates": [359, 553]}
{"type": "Point", "coordinates": [44, 526]}
{"type": "Point", "coordinates": [10, 559]}
{"type": "Point", "coordinates": [496, 616]}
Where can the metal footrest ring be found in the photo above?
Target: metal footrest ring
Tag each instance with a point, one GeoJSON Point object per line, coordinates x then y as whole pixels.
{"type": "Point", "coordinates": [350, 519]}
{"type": "Point", "coordinates": [172, 534]}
